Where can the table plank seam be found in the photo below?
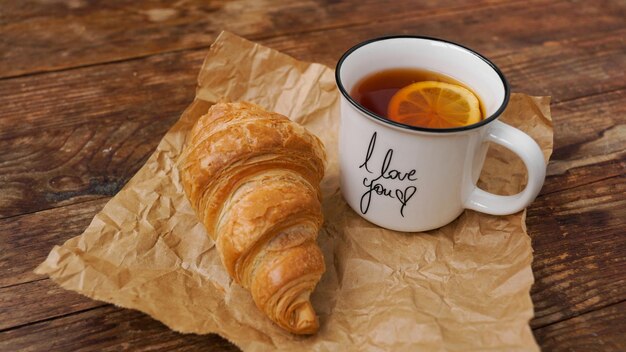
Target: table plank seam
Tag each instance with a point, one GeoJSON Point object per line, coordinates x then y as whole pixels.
{"type": "Point", "coordinates": [555, 103]}
{"type": "Point", "coordinates": [541, 195]}
{"type": "Point", "coordinates": [91, 199]}
{"type": "Point", "coordinates": [54, 317]}
{"type": "Point", "coordinates": [590, 95]}
{"type": "Point", "coordinates": [101, 198]}
{"type": "Point", "coordinates": [24, 283]}
{"type": "Point", "coordinates": [591, 308]}
{"type": "Point", "coordinates": [576, 227]}
{"type": "Point", "coordinates": [579, 315]}
{"type": "Point", "coordinates": [259, 37]}
{"type": "Point", "coordinates": [106, 305]}
{"type": "Point", "coordinates": [104, 197]}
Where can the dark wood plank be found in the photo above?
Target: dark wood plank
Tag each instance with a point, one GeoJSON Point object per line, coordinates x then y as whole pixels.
{"type": "Point", "coordinates": [496, 30]}
{"type": "Point", "coordinates": [25, 241]}
{"type": "Point", "coordinates": [107, 329]}
{"type": "Point", "coordinates": [568, 228]}
{"type": "Point", "coordinates": [589, 140]}
{"type": "Point", "coordinates": [89, 33]}
{"type": "Point", "coordinates": [580, 250]}
{"type": "Point", "coordinates": [493, 38]}
{"type": "Point", "coordinates": [39, 300]}
{"type": "Point", "coordinates": [111, 328]}
{"type": "Point", "coordinates": [585, 152]}
{"type": "Point", "coordinates": [107, 123]}
{"type": "Point", "coordinates": [568, 69]}
{"type": "Point", "coordinates": [88, 138]}
{"type": "Point", "coordinates": [92, 127]}
{"type": "Point", "coordinates": [587, 63]}
{"type": "Point", "coordinates": [44, 36]}
{"type": "Point", "coordinates": [599, 331]}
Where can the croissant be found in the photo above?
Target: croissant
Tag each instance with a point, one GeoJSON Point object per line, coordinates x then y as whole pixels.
{"type": "Point", "coordinates": [253, 177]}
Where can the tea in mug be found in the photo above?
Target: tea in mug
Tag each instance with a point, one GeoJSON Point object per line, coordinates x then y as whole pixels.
{"type": "Point", "coordinates": [419, 98]}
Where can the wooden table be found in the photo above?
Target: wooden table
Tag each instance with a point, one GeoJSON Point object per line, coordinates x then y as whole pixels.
{"type": "Point", "coordinates": [87, 90]}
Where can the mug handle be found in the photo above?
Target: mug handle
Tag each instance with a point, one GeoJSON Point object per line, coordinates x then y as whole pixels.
{"type": "Point", "coordinates": [528, 150]}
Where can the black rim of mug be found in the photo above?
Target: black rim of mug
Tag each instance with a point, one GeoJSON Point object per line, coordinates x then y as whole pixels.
{"type": "Point", "coordinates": [382, 119]}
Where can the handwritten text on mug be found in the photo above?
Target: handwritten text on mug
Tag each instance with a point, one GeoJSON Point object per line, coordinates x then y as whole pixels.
{"type": "Point", "coordinates": [386, 173]}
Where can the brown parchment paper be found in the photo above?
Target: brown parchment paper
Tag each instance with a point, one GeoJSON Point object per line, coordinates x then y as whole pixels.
{"type": "Point", "coordinates": [463, 287]}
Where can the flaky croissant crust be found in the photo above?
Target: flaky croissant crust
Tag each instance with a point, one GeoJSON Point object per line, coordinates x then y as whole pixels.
{"type": "Point", "coordinates": [253, 177]}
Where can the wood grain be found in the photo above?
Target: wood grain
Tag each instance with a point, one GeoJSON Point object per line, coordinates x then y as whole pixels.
{"type": "Point", "coordinates": [107, 329]}
{"type": "Point", "coordinates": [585, 64]}
{"type": "Point", "coordinates": [87, 144]}
{"type": "Point", "coordinates": [37, 301]}
{"type": "Point", "coordinates": [71, 139]}
{"type": "Point", "coordinates": [485, 29]}
{"type": "Point", "coordinates": [71, 220]}
{"type": "Point", "coordinates": [25, 241]}
{"type": "Point", "coordinates": [90, 33]}
{"type": "Point", "coordinates": [584, 153]}
{"type": "Point", "coordinates": [580, 257]}
{"type": "Point", "coordinates": [568, 282]}
{"type": "Point", "coordinates": [589, 140]}
{"type": "Point", "coordinates": [496, 39]}
{"type": "Point", "coordinates": [39, 36]}
{"type": "Point", "coordinates": [93, 127]}
{"type": "Point", "coordinates": [598, 331]}
{"type": "Point", "coordinates": [112, 328]}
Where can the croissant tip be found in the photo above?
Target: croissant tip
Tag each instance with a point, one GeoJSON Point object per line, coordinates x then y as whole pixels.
{"type": "Point", "coordinates": [304, 320]}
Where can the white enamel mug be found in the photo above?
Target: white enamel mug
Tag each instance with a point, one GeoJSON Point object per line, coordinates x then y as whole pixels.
{"type": "Point", "coordinates": [408, 178]}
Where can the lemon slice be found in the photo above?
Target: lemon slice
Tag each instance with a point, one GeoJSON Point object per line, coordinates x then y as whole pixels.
{"type": "Point", "coordinates": [434, 105]}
